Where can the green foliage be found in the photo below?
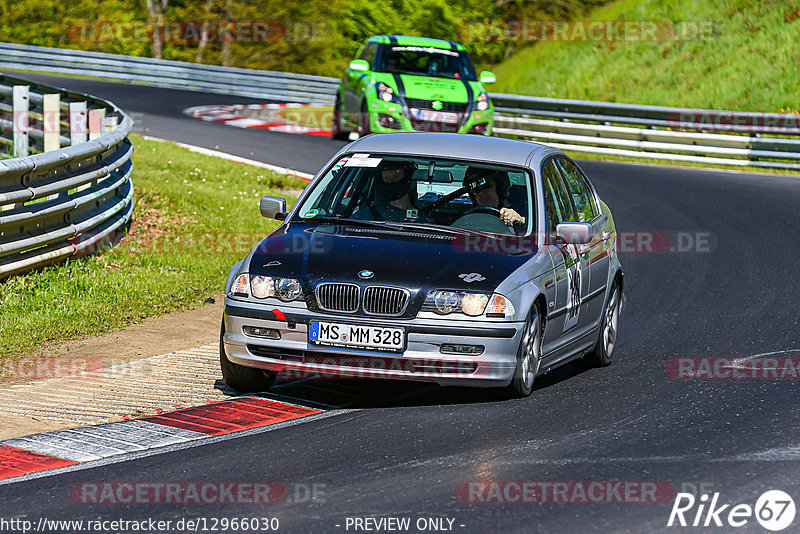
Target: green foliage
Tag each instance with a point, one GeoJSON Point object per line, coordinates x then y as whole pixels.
{"type": "Point", "coordinates": [744, 56]}
{"type": "Point", "coordinates": [312, 36]}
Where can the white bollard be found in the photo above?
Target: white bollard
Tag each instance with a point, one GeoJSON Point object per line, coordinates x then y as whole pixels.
{"type": "Point", "coordinates": [51, 123]}
{"type": "Point", "coordinates": [77, 123]}
{"type": "Point", "coordinates": [21, 103]}
{"type": "Point", "coordinates": [96, 117]}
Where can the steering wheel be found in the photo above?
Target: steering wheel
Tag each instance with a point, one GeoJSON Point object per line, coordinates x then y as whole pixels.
{"type": "Point", "coordinates": [482, 218]}
{"type": "Point", "coordinates": [483, 209]}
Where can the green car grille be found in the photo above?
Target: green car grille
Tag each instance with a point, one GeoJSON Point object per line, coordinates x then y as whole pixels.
{"type": "Point", "coordinates": [428, 104]}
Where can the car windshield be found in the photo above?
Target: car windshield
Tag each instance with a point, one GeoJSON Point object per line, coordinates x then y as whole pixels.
{"type": "Point", "coordinates": [414, 191]}
{"type": "Point", "coordinates": [426, 61]}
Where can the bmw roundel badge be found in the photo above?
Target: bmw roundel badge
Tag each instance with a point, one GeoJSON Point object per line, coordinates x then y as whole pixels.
{"type": "Point", "coordinates": [366, 274]}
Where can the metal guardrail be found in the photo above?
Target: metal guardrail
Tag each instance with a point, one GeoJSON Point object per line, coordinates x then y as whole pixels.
{"type": "Point", "coordinates": [671, 134]}
{"type": "Point", "coordinates": [171, 74]}
{"type": "Point", "coordinates": [60, 202]}
{"type": "Point", "coordinates": [676, 134]}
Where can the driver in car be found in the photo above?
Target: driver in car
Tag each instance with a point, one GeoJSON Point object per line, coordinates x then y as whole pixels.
{"type": "Point", "coordinates": [491, 189]}
{"type": "Point", "coordinates": [392, 201]}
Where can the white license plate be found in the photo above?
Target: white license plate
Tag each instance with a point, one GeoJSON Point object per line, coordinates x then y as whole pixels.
{"type": "Point", "coordinates": [436, 116]}
{"type": "Point", "coordinates": [357, 336]}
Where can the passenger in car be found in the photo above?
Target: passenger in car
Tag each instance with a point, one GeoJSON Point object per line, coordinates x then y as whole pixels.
{"type": "Point", "coordinates": [392, 201]}
{"type": "Point", "coordinates": [492, 189]}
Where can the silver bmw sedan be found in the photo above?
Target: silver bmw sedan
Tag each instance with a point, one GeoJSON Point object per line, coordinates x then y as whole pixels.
{"type": "Point", "coordinates": [461, 260]}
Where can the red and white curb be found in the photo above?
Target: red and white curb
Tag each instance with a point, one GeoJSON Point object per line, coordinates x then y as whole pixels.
{"type": "Point", "coordinates": [59, 449]}
{"type": "Point", "coordinates": [270, 117]}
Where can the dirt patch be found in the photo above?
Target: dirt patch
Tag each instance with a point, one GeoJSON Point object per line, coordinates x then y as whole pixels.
{"type": "Point", "coordinates": [152, 337]}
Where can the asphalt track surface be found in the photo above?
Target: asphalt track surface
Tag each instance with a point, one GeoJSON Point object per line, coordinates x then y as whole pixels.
{"type": "Point", "coordinates": [392, 449]}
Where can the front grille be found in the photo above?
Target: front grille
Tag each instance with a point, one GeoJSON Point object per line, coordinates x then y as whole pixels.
{"type": "Point", "coordinates": [338, 297]}
{"type": "Point", "coordinates": [428, 104]}
{"type": "Point", "coordinates": [380, 300]}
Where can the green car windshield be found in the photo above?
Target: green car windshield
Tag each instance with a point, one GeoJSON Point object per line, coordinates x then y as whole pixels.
{"type": "Point", "coordinates": [415, 191]}
{"type": "Point", "coordinates": [425, 61]}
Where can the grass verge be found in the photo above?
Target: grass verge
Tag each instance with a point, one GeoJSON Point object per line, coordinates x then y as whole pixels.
{"type": "Point", "coordinates": [195, 217]}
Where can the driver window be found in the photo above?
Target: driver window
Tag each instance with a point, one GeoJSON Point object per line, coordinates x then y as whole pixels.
{"type": "Point", "coordinates": [578, 192]}
{"type": "Point", "coordinates": [556, 200]}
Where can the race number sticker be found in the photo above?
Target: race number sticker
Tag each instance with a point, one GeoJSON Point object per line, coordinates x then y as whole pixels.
{"type": "Point", "coordinates": [573, 265]}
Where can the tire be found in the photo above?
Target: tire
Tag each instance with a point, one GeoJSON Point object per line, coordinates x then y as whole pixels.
{"type": "Point", "coordinates": [528, 357]}
{"type": "Point", "coordinates": [363, 121]}
{"type": "Point", "coordinates": [336, 126]}
{"type": "Point", "coordinates": [239, 377]}
{"type": "Point", "coordinates": [609, 328]}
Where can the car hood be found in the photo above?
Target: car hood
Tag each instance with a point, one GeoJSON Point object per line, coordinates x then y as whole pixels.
{"type": "Point", "coordinates": [430, 88]}
{"type": "Point", "coordinates": [417, 260]}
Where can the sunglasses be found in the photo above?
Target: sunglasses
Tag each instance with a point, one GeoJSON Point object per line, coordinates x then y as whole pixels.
{"type": "Point", "coordinates": [481, 185]}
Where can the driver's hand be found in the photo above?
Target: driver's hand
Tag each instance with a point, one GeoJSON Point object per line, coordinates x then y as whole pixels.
{"type": "Point", "coordinates": [511, 217]}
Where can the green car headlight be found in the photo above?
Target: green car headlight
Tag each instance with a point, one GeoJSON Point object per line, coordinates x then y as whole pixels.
{"type": "Point", "coordinates": [482, 102]}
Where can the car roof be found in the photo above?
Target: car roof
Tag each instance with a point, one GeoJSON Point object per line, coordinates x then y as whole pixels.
{"type": "Point", "coordinates": [453, 145]}
{"type": "Point", "coordinates": [406, 40]}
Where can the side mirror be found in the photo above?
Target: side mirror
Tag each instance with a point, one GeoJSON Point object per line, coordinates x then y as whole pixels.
{"type": "Point", "coordinates": [575, 233]}
{"type": "Point", "coordinates": [487, 77]}
{"type": "Point", "coordinates": [359, 65]}
{"type": "Point", "coordinates": [273, 208]}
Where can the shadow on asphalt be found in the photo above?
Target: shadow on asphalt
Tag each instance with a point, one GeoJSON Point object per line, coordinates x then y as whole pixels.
{"type": "Point", "coordinates": [332, 393]}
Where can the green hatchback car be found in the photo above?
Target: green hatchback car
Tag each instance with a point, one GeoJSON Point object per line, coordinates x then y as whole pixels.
{"type": "Point", "coordinates": [412, 84]}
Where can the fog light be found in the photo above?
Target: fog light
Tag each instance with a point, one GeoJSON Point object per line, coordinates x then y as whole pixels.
{"type": "Point", "coordinates": [387, 121]}
{"type": "Point", "coordinates": [256, 331]}
{"type": "Point", "coordinates": [479, 129]}
{"type": "Point", "coordinates": [472, 350]}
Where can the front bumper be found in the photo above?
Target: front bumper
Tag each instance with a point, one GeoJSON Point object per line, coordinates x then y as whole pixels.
{"type": "Point", "coordinates": [422, 359]}
{"type": "Point", "coordinates": [484, 120]}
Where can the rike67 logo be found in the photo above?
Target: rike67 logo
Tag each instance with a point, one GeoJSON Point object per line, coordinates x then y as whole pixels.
{"type": "Point", "coordinates": [774, 510]}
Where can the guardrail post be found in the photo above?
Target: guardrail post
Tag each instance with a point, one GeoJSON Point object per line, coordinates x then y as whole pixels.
{"type": "Point", "coordinates": [51, 123]}
{"type": "Point", "coordinates": [96, 117]}
{"type": "Point", "coordinates": [21, 105]}
{"type": "Point", "coordinates": [77, 123]}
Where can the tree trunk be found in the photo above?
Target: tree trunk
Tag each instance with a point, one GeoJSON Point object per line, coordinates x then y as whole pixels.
{"type": "Point", "coordinates": [157, 9]}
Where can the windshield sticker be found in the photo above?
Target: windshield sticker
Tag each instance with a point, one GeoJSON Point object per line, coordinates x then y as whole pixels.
{"type": "Point", "coordinates": [311, 213]}
{"type": "Point", "coordinates": [363, 162]}
{"type": "Point", "coordinates": [360, 155]}
{"type": "Point", "coordinates": [426, 49]}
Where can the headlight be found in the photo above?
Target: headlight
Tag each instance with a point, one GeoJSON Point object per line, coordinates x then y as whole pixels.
{"type": "Point", "coordinates": [482, 102]}
{"type": "Point", "coordinates": [444, 302]}
{"type": "Point", "coordinates": [241, 286]}
{"type": "Point", "coordinates": [447, 301]}
{"type": "Point", "coordinates": [286, 289]}
{"type": "Point", "coordinates": [474, 303]}
{"type": "Point", "coordinates": [499, 306]}
{"type": "Point", "coordinates": [386, 93]}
